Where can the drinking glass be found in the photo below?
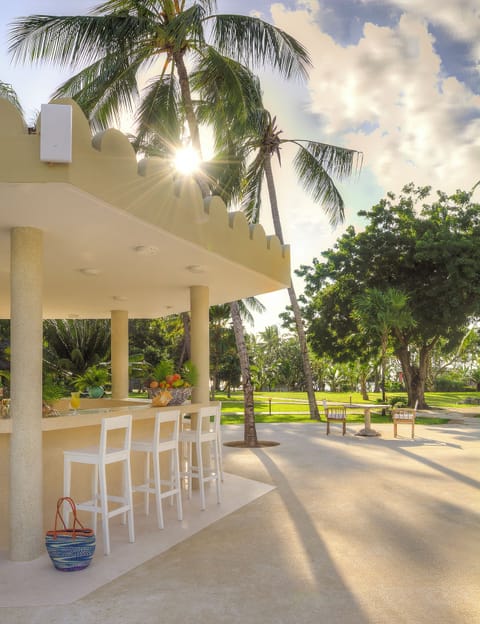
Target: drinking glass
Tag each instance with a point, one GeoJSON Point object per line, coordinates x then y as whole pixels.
{"type": "Point", "coordinates": [75, 401]}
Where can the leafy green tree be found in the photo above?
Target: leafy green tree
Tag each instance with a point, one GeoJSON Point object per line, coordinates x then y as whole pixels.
{"type": "Point", "coordinates": [157, 339]}
{"type": "Point", "coordinates": [229, 371]}
{"type": "Point", "coordinates": [150, 342]}
{"type": "Point", "coordinates": [266, 356]}
{"type": "Point", "coordinates": [223, 354]}
{"type": "Point", "coordinates": [378, 313]}
{"type": "Point", "coordinates": [290, 365]}
{"type": "Point", "coordinates": [426, 250]}
{"type": "Point", "coordinates": [475, 378]}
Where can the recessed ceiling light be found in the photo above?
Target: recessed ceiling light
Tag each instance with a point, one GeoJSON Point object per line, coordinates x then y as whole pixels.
{"type": "Point", "coordinates": [195, 268]}
{"type": "Point", "coordinates": [90, 271]}
{"type": "Point", "coordinates": [146, 250]}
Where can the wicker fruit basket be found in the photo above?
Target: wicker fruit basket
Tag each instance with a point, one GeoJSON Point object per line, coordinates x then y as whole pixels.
{"type": "Point", "coordinates": [178, 396]}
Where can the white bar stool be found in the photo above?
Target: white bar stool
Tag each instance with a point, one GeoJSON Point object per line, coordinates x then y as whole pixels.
{"type": "Point", "coordinates": [165, 440]}
{"type": "Point", "coordinates": [205, 432]}
{"type": "Point", "coordinates": [100, 457]}
{"type": "Point", "coordinates": [186, 425]}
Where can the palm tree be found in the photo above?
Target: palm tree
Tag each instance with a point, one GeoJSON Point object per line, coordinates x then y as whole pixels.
{"type": "Point", "coordinates": [315, 164]}
{"type": "Point", "coordinates": [122, 39]}
{"type": "Point", "coordinates": [378, 314]}
{"type": "Point", "coordinates": [250, 433]}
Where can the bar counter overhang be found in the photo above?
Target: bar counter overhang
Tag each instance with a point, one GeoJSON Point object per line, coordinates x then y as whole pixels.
{"type": "Point", "coordinates": [102, 236]}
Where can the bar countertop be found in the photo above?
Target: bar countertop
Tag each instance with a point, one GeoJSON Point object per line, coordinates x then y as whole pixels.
{"type": "Point", "coordinates": [92, 415]}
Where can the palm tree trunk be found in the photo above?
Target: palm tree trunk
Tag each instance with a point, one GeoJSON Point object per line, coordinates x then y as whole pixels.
{"type": "Point", "coordinates": [190, 113]}
{"type": "Point", "coordinates": [187, 100]}
{"type": "Point", "coordinates": [186, 353]}
{"type": "Point", "coordinates": [250, 432]}
{"type": "Point", "coordinates": [302, 339]}
{"type": "Point", "coordinates": [250, 436]}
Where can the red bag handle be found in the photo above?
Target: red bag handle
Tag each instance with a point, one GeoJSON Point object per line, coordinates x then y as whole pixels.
{"type": "Point", "coordinates": [76, 522]}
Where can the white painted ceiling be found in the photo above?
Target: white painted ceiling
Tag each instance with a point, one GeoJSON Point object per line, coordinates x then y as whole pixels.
{"type": "Point", "coordinates": [98, 258]}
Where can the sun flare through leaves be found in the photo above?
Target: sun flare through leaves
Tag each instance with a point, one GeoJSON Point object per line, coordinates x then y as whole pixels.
{"type": "Point", "coordinates": [187, 160]}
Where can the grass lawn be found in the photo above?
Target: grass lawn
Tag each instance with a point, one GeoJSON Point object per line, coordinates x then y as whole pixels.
{"type": "Point", "coordinates": [293, 406]}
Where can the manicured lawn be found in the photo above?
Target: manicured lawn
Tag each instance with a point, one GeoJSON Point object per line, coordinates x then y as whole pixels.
{"type": "Point", "coordinates": [293, 406]}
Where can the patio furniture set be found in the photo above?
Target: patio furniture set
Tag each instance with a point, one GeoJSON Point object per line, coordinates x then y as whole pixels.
{"type": "Point", "coordinates": [337, 414]}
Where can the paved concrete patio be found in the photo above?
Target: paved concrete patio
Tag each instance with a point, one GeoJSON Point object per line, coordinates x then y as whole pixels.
{"type": "Point", "coordinates": [356, 531]}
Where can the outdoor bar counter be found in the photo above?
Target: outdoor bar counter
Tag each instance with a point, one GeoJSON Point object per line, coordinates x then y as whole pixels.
{"type": "Point", "coordinates": [70, 431]}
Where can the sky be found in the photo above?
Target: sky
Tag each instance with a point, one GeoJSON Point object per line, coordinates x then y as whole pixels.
{"type": "Point", "coordinates": [398, 80]}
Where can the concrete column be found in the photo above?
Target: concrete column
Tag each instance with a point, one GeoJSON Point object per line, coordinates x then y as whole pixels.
{"type": "Point", "coordinates": [119, 348]}
{"type": "Point", "coordinates": [199, 330]}
{"type": "Point", "coordinates": [26, 333]}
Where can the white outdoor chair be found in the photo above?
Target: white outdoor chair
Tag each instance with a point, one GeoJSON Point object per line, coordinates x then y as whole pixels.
{"type": "Point", "coordinates": [404, 416]}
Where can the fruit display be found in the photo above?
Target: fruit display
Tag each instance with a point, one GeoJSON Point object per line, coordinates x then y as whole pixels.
{"type": "Point", "coordinates": [170, 381]}
{"type": "Point", "coordinates": [179, 385]}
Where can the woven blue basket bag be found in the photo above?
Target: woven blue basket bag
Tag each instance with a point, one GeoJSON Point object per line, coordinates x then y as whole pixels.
{"type": "Point", "coordinates": [70, 549]}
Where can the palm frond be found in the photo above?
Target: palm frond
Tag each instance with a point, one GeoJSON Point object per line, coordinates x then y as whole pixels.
{"type": "Point", "coordinates": [254, 305]}
{"type": "Point", "coordinates": [229, 95]}
{"type": "Point", "coordinates": [252, 189]}
{"type": "Point", "coordinates": [337, 161]}
{"type": "Point", "coordinates": [315, 163]}
{"type": "Point", "coordinates": [247, 307]}
{"type": "Point", "coordinates": [225, 173]}
{"type": "Point", "coordinates": [256, 43]}
{"type": "Point", "coordinates": [73, 40]}
{"type": "Point", "coordinates": [139, 8]}
{"type": "Point", "coordinates": [209, 5]}
{"type": "Point", "coordinates": [186, 28]}
{"type": "Point", "coordinates": [158, 117]}
{"type": "Point", "coordinates": [103, 89]}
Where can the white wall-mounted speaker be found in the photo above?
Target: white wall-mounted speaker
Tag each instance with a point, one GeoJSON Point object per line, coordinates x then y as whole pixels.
{"type": "Point", "coordinates": [56, 133]}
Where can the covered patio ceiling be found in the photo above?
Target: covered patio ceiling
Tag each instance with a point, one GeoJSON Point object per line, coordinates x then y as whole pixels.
{"type": "Point", "coordinates": [118, 239]}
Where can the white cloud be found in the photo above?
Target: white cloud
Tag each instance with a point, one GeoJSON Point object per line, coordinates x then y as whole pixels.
{"type": "Point", "coordinates": [386, 96]}
{"type": "Point", "coordinates": [461, 18]}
